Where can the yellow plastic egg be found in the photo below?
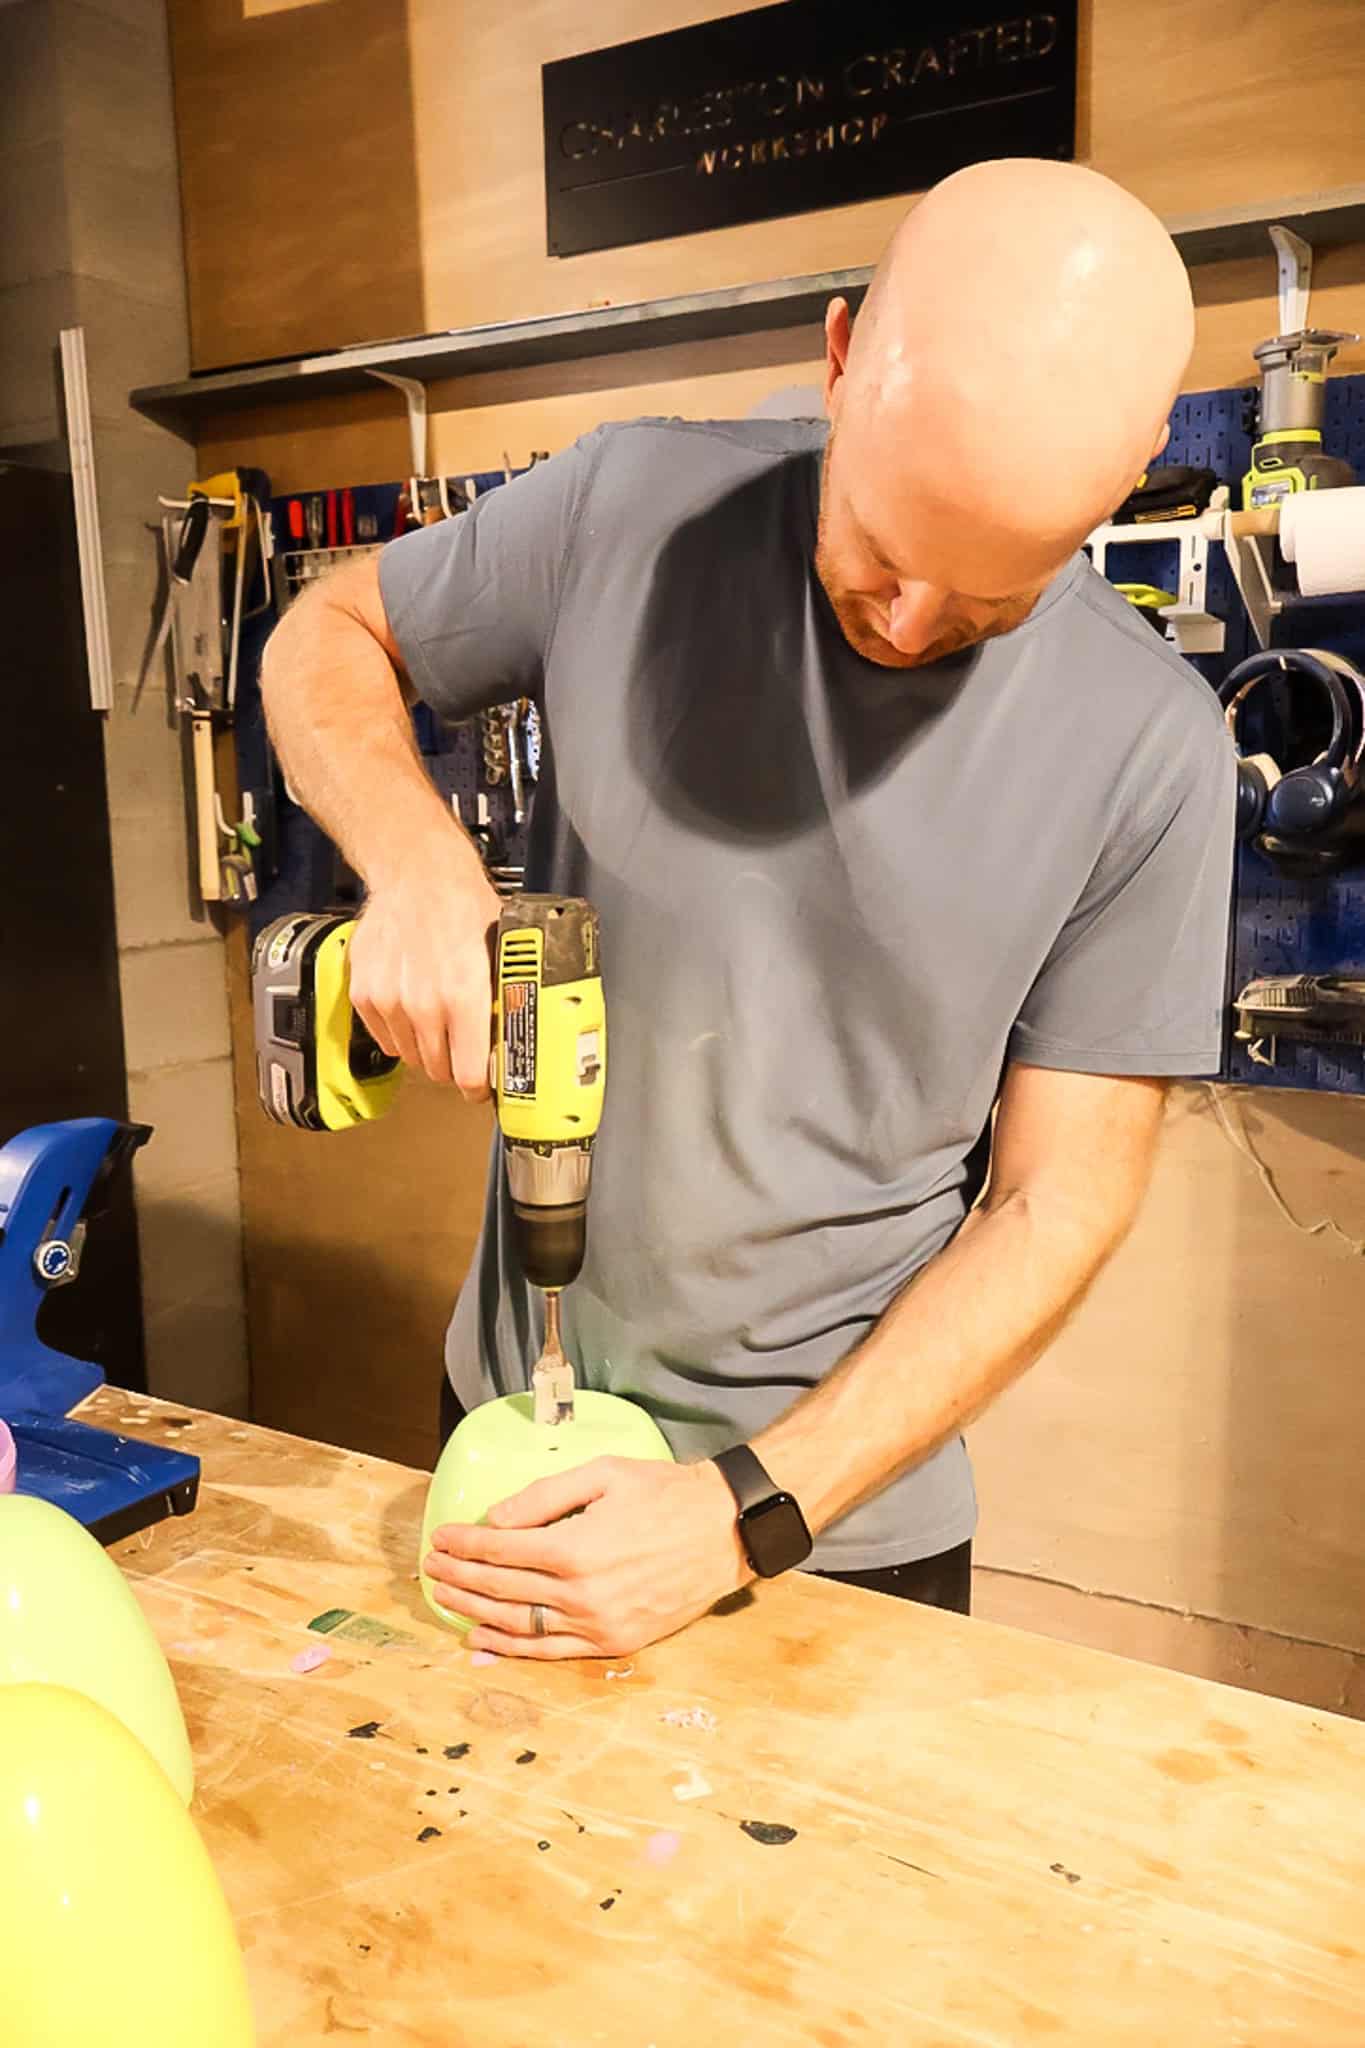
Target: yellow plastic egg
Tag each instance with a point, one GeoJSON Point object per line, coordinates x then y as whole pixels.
{"type": "Point", "coordinates": [114, 1932]}
{"type": "Point", "coordinates": [69, 1617]}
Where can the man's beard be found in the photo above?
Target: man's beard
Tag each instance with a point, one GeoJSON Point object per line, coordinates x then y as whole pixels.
{"type": "Point", "coordinates": [864, 637]}
{"type": "Point", "coordinates": [855, 613]}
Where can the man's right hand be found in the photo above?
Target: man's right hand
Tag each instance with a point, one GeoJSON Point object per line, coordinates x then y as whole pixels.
{"type": "Point", "coordinates": [421, 969]}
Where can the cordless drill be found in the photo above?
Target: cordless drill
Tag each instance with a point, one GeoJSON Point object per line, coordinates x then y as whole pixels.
{"type": "Point", "coordinates": [318, 1068]}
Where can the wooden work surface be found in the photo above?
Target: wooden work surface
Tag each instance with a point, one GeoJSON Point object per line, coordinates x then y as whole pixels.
{"type": "Point", "coordinates": [983, 1837]}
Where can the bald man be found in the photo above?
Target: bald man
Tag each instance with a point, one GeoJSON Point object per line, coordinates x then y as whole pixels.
{"type": "Point", "coordinates": [896, 817]}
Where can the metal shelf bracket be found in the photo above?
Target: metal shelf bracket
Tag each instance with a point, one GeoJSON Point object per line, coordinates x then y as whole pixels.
{"type": "Point", "coordinates": [415, 398]}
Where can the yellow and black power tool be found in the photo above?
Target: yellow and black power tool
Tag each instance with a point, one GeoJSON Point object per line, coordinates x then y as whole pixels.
{"type": "Point", "coordinates": [1287, 454]}
{"type": "Point", "coordinates": [318, 1068]}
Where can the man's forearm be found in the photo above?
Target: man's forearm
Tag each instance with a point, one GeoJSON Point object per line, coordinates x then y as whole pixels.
{"type": "Point", "coordinates": [986, 1307]}
{"type": "Point", "coordinates": [968, 1324]}
{"type": "Point", "coordinates": [339, 723]}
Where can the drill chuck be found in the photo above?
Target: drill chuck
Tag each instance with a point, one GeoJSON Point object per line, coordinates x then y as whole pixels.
{"type": "Point", "coordinates": [549, 1244]}
{"type": "Point", "coordinates": [548, 1187]}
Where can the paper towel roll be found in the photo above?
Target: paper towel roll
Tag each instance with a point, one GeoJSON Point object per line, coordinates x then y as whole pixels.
{"type": "Point", "coordinates": [1323, 534]}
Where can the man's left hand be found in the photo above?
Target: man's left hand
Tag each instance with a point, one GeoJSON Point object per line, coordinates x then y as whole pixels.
{"type": "Point", "coordinates": [655, 1546]}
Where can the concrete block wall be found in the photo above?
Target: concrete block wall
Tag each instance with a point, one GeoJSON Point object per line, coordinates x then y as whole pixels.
{"type": "Point", "coordinates": [90, 235]}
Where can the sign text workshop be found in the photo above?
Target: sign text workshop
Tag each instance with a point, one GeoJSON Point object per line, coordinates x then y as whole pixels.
{"type": "Point", "coordinates": [820, 106]}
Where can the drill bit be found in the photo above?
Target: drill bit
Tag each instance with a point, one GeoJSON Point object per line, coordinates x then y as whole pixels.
{"type": "Point", "coordinates": [552, 1379]}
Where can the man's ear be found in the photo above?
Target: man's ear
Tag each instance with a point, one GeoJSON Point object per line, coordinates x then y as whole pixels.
{"type": "Point", "coordinates": [838, 329]}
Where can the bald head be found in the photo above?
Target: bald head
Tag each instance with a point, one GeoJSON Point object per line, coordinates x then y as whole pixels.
{"type": "Point", "coordinates": [1008, 380]}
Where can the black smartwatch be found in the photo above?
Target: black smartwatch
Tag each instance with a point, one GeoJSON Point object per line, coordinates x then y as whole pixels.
{"type": "Point", "coordinates": [772, 1527]}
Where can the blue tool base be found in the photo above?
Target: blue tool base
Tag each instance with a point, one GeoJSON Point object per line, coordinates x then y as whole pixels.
{"type": "Point", "coordinates": [112, 1484]}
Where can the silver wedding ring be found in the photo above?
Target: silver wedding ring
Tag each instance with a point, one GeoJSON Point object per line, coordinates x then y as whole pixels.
{"type": "Point", "coordinates": [540, 1620]}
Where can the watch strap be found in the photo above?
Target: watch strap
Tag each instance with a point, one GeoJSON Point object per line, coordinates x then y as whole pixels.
{"type": "Point", "coordinates": [772, 1527]}
{"type": "Point", "coordinates": [746, 1477]}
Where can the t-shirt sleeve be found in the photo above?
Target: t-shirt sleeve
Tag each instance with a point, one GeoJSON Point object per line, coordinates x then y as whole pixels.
{"type": "Point", "coordinates": [472, 601]}
{"type": "Point", "coordinates": [1136, 980]}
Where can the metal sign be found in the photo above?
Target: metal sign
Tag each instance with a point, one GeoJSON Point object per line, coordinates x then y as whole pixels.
{"type": "Point", "coordinates": [797, 106]}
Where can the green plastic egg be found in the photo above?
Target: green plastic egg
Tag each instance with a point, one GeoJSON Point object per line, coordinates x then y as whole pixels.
{"type": "Point", "coordinates": [500, 1448]}
{"type": "Point", "coordinates": [69, 1617]}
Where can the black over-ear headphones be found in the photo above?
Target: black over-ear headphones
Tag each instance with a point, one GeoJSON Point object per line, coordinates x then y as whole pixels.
{"type": "Point", "coordinates": [1302, 803]}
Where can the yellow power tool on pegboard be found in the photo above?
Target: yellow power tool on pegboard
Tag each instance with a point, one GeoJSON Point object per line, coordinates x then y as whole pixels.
{"type": "Point", "coordinates": [1287, 454]}
{"type": "Point", "coordinates": [319, 1068]}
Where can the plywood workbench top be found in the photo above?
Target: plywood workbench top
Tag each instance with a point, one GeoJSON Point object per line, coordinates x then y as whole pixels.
{"type": "Point", "coordinates": [902, 1827]}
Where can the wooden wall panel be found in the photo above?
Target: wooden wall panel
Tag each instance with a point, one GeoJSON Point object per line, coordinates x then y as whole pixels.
{"type": "Point", "coordinates": [1175, 104]}
{"type": "Point", "coordinates": [298, 176]}
{"type": "Point", "coordinates": [1174, 100]}
{"type": "Point", "coordinates": [1193, 1440]}
{"type": "Point", "coordinates": [361, 170]}
{"type": "Point", "coordinates": [1196, 107]}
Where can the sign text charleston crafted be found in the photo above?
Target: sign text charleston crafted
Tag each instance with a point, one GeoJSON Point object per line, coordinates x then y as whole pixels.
{"type": "Point", "coordinates": [793, 107]}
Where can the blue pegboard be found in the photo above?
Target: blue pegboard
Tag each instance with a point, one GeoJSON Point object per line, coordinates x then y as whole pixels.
{"type": "Point", "coordinates": [1279, 926]}
{"type": "Point", "coordinates": [298, 868]}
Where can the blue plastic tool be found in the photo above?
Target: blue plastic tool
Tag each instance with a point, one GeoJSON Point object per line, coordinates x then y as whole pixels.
{"type": "Point", "coordinates": [49, 1177]}
{"type": "Point", "coordinates": [113, 1484]}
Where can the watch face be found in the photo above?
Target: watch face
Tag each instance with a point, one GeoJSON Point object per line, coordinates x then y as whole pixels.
{"type": "Point", "coordinates": [776, 1536]}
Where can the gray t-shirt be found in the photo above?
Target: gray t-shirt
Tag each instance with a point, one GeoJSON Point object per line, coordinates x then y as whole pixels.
{"type": "Point", "coordinates": [835, 899]}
